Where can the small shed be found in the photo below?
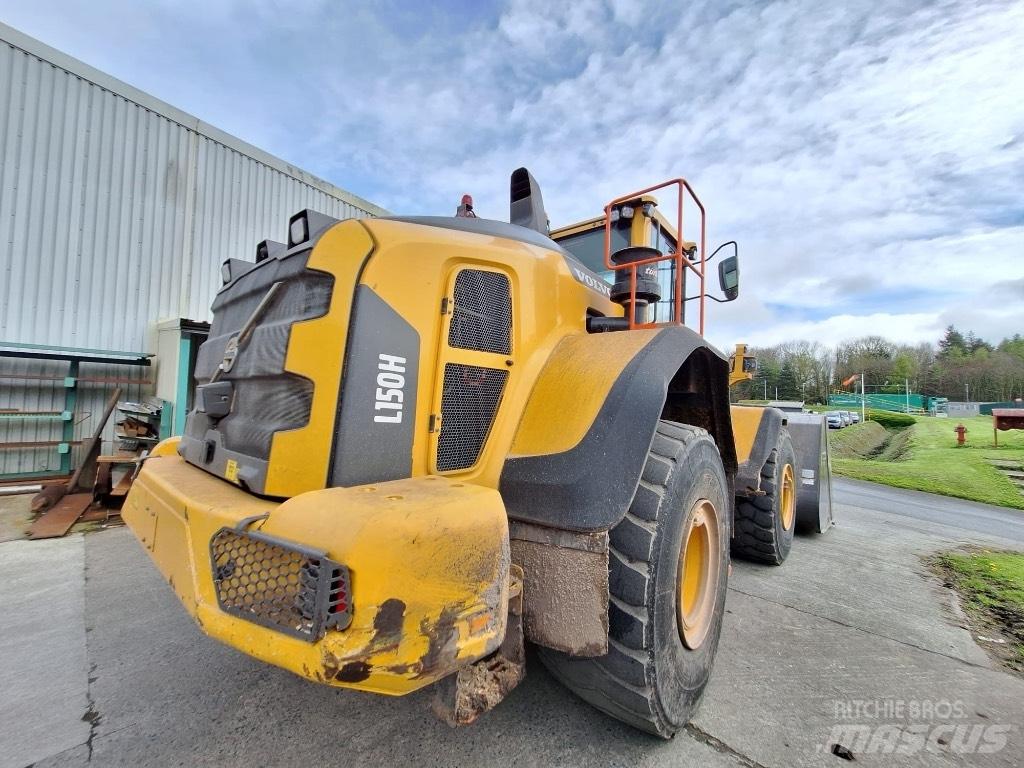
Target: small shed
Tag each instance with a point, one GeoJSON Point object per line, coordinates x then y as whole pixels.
{"type": "Point", "coordinates": [1006, 419]}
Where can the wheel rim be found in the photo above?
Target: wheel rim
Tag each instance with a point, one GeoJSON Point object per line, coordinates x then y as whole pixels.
{"type": "Point", "coordinates": [788, 498]}
{"type": "Point", "coordinates": [699, 564]}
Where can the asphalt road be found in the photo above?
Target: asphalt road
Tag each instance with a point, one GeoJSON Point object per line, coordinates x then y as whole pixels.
{"type": "Point", "coordinates": [966, 516]}
{"type": "Point", "coordinates": [100, 666]}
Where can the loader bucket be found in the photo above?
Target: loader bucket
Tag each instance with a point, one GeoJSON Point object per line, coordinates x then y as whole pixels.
{"type": "Point", "coordinates": [814, 486]}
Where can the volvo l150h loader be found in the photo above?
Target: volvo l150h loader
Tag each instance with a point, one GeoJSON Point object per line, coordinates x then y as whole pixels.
{"type": "Point", "coordinates": [417, 442]}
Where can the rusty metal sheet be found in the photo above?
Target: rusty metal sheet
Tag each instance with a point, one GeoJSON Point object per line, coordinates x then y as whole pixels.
{"type": "Point", "coordinates": [95, 515]}
{"type": "Point", "coordinates": [49, 496]}
{"type": "Point", "coordinates": [58, 521]}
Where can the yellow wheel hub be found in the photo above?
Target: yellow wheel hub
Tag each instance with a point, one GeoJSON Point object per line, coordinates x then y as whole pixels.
{"type": "Point", "coordinates": [787, 501]}
{"type": "Point", "coordinates": [699, 568]}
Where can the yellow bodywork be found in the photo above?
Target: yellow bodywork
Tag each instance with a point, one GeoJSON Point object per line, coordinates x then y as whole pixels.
{"type": "Point", "coordinates": [746, 420]}
{"type": "Point", "coordinates": [428, 559]}
{"type": "Point", "coordinates": [299, 458]}
{"type": "Point", "coordinates": [572, 388]}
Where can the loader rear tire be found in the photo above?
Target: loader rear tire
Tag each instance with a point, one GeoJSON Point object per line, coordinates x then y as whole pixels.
{"type": "Point", "coordinates": [668, 572]}
{"type": "Point", "coordinates": [765, 524]}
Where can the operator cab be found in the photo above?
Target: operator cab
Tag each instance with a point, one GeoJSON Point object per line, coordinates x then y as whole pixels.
{"type": "Point", "coordinates": [637, 223]}
{"type": "Point", "coordinates": [649, 278]}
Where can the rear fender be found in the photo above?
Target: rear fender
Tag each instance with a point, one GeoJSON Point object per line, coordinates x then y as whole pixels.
{"type": "Point", "coordinates": [583, 439]}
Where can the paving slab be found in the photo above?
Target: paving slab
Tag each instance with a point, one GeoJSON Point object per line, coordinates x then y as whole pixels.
{"type": "Point", "coordinates": [15, 516]}
{"type": "Point", "coordinates": [44, 668]}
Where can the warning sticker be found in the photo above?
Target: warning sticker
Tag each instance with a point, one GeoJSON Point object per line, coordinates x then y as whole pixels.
{"type": "Point", "coordinates": [231, 471]}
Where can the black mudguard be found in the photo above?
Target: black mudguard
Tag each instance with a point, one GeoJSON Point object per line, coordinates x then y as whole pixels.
{"type": "Point", "coordinates": [677, 376]}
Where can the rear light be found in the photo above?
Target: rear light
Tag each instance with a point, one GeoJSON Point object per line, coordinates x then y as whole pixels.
{"type": "Point", "coordinates": [298, 229]}
{"type": "Point", "coordinates": [307, 225]}
{"type": "Point", "coordinates": [338, 599]}
{"type": "Point", "coordinates": [268, 249]}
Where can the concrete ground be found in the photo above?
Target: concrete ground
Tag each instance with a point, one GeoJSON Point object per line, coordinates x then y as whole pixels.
{"type": "Point", "coordinates": [100, 665]}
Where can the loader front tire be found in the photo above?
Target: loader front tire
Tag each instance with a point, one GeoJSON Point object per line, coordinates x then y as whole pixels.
{"type": "Point", "coordinates": [668, 571]}
{"type": "Point", "coordinates": [765, 524]}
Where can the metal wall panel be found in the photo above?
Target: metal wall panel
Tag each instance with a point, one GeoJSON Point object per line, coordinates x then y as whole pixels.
{"type": "Point", "coordinates": [116, 211]}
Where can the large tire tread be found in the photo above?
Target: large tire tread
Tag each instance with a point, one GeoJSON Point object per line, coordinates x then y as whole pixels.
{"type": "Point", "coordinates": [759, 535]}
{"type": "Point", "coordinates": [622, 683]}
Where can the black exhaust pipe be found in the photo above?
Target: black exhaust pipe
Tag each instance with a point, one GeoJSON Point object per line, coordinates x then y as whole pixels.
{"type": "Point", "coordinates": [526, 204]}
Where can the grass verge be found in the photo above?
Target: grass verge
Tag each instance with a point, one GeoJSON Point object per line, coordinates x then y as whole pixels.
{"type": "Point", "coordinates": [925, 457]}
{"type": "Point", "coordinates": [991, 587]}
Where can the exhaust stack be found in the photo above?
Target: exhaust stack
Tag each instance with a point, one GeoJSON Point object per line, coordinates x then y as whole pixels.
{"type": "Point", "coordinates": [526, 204]}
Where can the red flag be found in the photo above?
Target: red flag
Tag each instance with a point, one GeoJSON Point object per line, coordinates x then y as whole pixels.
{"type": "Point", "coordinates": [847, 382]}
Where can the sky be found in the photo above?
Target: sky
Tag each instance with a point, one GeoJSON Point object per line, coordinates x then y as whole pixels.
{"type": "Point", "coordinates": [868, 157]}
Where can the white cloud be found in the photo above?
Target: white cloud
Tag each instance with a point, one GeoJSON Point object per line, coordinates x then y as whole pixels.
{"type": "Point", "coordinates": [856, 150]}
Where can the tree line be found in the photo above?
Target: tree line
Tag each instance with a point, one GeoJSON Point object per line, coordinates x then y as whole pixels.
{"type": "Point", "coordinates": [960, 366]}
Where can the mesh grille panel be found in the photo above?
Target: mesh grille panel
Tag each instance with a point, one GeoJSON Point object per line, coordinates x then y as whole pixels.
{"type": "Point", "coordinates": [469, 402]}
{"type": "Point", "coordinates": [278, 585]}
{"type": "Point", "coordinates": [482, 317]}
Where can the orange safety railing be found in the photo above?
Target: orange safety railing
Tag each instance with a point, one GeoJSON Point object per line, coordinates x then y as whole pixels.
{"type": "Point", "coordinates": [679, 259]}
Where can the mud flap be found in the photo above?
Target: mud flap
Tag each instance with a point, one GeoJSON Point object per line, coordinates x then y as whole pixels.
{"type": "Point", "coordinates": [462, 697]}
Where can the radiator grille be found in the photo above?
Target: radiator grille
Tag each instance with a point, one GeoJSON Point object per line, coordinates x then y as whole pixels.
{"type": "Point", "coordinates": [278, 584]}
{"type": "Point", "coordinates": [482, 317]}
{"type": "Point", "coordinates": [469, 402]}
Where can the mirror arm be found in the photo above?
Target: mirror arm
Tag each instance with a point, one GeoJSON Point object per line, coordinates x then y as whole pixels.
{"type": "Point", "coordinates": [715, 252]}
{"type": "Point", "coordinates": [706, 296]}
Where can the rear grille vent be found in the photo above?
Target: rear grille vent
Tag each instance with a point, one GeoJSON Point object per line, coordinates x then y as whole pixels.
{"type": "Point", "coordinates": [267, 399]}
{"type": "Point", "coordinates": [468, 404]}
{"type": "Point", "coordinates": [482, 318]}
{"type": "Point", "coordinates": [278, 584]}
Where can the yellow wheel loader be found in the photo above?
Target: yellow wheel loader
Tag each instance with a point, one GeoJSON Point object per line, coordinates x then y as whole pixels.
{"type": "Point", "coordinates": [741, 365]}
{"type": "Point", "coordinates": [417, 442]}
{"type": "Point", "coordinates": [813, 507]}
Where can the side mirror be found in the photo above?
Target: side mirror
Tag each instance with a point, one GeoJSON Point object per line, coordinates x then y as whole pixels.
{"type": "Point", "coordinates": [729, 277]}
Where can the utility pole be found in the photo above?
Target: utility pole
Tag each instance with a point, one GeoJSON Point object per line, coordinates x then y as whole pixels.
{"type": "Point", "coordinates": [766, 388]}
{"type": "Point", "coordinates": [967, 391]}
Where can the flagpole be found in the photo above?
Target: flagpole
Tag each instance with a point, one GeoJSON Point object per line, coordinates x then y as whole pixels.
{"type": "Point", "coordinates": [863, 410]}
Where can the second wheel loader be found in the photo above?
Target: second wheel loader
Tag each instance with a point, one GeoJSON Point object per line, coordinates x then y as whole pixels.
{"type": "Point", "coordinates": [418, 442]}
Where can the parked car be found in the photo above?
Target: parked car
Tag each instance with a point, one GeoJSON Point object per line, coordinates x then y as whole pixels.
{"type": "Point", "coordinates": [834, 420]}
{"type": "Point", "coordinates": [855, 416]}
{"type": "Point", "coordinates": [845, 416]}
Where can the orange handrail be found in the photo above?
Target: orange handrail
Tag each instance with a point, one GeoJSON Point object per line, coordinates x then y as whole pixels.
{"type": "Point", "coordinates": [680, 261]}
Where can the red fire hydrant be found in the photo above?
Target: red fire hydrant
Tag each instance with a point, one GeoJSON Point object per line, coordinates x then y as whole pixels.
{"type": "Point", "coordinates": [961, 431]}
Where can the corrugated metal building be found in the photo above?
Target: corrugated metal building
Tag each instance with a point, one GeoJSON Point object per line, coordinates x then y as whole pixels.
{"type": "Point", "coordinates": [116, 211]}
